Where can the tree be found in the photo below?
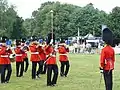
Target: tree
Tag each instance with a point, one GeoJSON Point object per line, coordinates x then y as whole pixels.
{"type": "Point", "coordinates": [7, 18]}
{"type": "Point", "coordinates": [3, 8]}
{"type": "Point", "coordinates": [17, 32]}
{"type": "Point", "coordinates": [115, 21]}
{"type": "Point", "coordinates": [10, 17]}
{"type": "Point", "coordinates": [68, 18]}
{"type": "Point", "coordinates": [88, 20]}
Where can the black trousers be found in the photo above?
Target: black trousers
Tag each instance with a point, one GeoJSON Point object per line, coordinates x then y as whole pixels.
{"type": "Point", "coordinates": [5, 77]}
{"type": "Point", "coordinates": [26, 64]}
{"type": "Point", "coordinates": [34, 67]}
{"type": "Point", "coordinates": [41, 66]}
{"type": "Point", "coordinates": [108, 79]}
{"type": "Point", "coordinates": [19, 69]}
{"type": "Point", "coordinates": [63, 70]}
{"type": "Point", "coordinates": [0, 68]}
{"type": "Point", "coordinates": [51, 68]}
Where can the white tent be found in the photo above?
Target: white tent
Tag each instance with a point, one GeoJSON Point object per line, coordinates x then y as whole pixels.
{"type": "Point", "coordinates": [89, 36]}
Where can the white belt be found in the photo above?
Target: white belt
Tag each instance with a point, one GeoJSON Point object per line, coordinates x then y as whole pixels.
{"type": "Point", "coordinates": [53, 55]}
{"type": "Point", "coordinates": [18, 54]}
{"type": "Point", "coordinates": [34, 52]}
{"type": "Point", "coordinates": [4, 56]}
{"type": "Point", "coordinates": [47, 55]}
{"type": "Point", "coordinates": [62, 54]}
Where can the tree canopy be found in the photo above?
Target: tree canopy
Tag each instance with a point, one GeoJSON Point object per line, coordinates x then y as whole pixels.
{"type": "Point", "coordinates": [7, 20]}
{"type": "Point", "coordinates": [68, 18]}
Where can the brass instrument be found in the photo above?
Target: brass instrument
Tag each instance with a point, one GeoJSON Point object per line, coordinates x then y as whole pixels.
{"type": "Point", "coordinates": [11, 56]}
{"type": "Point", "coordinates": [24, 48]}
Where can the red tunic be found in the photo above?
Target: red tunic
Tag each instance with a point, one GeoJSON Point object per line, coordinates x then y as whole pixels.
{"type": "Point", "coordinates": [107, 58]}
{"type": "Point", "coordinates": [42, 54]}
{"type": "Point", "coordinates": [27, 49]}
{"type": "Point", "coordinates": [63, 53]}
{"type": "Point", "coordinates": [51, 55]}
{"type": "Point", "coordinates": [19, 54]}
{"type": "Point", "coordinates": [34, 53]}
{"type": "Point", "coordinates": [4, 55]}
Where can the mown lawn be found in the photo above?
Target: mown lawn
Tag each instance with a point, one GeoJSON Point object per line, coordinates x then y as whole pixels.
{"type": "Point", "coordinates": [84, 75]}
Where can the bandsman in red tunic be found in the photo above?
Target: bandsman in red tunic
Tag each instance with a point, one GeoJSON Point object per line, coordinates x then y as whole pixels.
{"type": "Point", "coordinates": [35, 59]}
{"type": "Point", "coordinates": [42, 56]}
{"type": "Point", "coordinates": [51, 62]}
{"type": "Point", "coordinates": [107, 59]}
{"type": "Point", "coordinates": [26, 49]}
{"type": "Point", "coordinates": [44, 65]}
{"type": "Point", "coordinates": [63, 58]}
{"type": "Point", "coordinates": [5, 63]}
{"type": "Point", "coordinates": [19, 56]}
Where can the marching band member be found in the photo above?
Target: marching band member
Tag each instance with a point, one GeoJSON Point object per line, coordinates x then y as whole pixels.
{"type": "Point", "coordinates": [19, 59]}
{"type": "Point", "coordinates": [26, 49]}
{"type": "Point", "coordinates": [44, 65]}
{"type": "Point", "coordinates": [34, 57]}
{"type": "Point", "coordinates": [107, 59]}
{"type": "Point", "coordinates": [51, 62]}
{"type": "Point", "coordinates": [63, 58]}
{"type": "Point", "coordinates": [5, 61]}
{"type": "Point", "coordinates": [42, 56]}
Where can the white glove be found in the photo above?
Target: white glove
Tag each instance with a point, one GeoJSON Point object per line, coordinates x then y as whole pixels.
{"type": "Point", "coordinates": [12, 55]}
{"type": "Point", "coordinates": [101, 71]}
{"type": "Point", "coordinates": [21, 48]}
{"type": "Point", "coordinates": [51, 42]}
{"type": "Point", "coordinates": [50, 54]}
{"type": "Point", "coordinates": [8, 48]}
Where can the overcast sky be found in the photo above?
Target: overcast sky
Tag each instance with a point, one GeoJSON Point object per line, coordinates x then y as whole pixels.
{"type": "Point", "coordinates": [26, 7]}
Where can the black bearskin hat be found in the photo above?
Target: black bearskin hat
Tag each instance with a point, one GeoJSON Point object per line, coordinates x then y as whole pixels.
{"type": "Point", "coordinates": [33, 38]}
{"type": "Point", "coordinates": [23, 40]}
{"type": "Point", "coordinates": [107, 36]}
{"type": "Point", "coordinates": [18, 42]}
{"type": "Point", "coordinates": [62, 40]}
{"type": "Point", "coordinates": [49, 37]}
{"type": "Point", "coordinates": [4, 39]}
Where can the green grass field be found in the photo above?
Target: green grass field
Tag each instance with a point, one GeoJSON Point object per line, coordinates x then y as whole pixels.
{"type": "Point", "coordinates": [84, 75]}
